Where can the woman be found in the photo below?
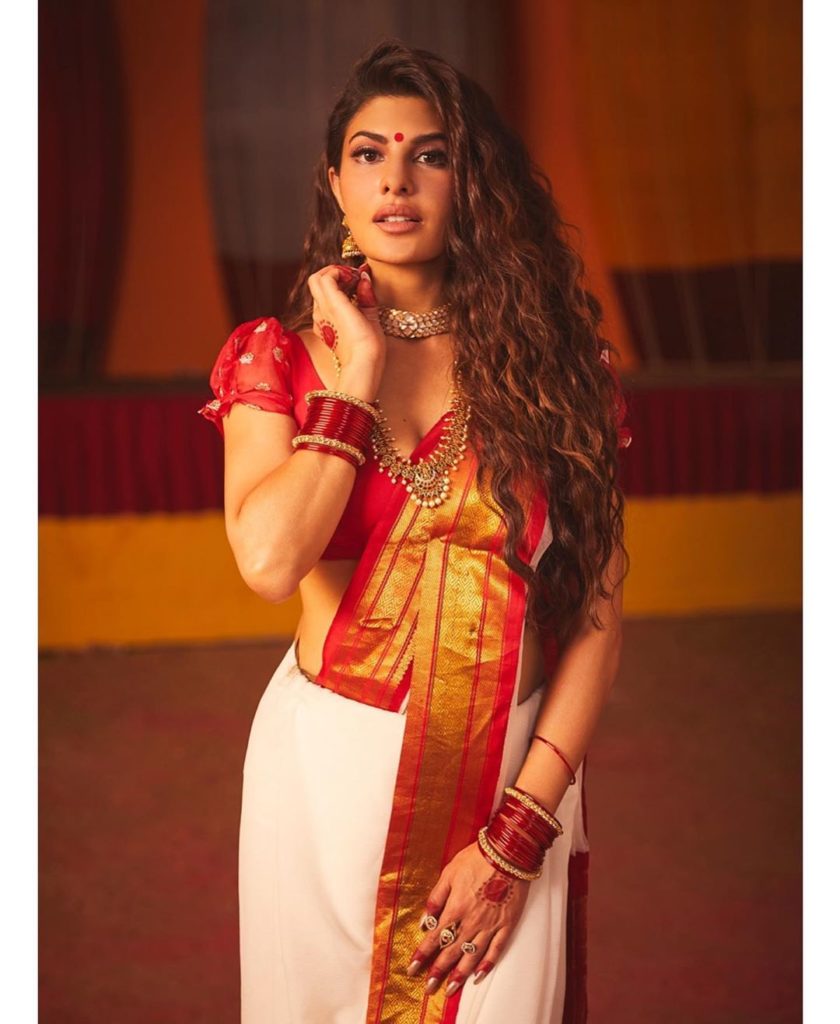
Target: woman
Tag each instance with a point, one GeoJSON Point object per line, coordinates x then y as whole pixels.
{"type": "Point", "coordinates": [438, 480]}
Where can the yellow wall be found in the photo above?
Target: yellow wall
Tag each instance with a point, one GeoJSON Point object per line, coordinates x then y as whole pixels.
{"type": "Point", "coordinates": [161, 579]}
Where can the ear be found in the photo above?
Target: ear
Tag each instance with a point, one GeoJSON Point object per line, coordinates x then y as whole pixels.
{"type": "Point", "coordinates": [335, 185]}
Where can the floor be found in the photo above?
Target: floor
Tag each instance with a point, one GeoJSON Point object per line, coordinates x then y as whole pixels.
{"type": "Point", "coordinates": [694, 805]}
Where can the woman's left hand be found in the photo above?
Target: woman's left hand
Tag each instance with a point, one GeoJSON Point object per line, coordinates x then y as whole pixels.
{"type": "Point", "coordinates": [486, 905]}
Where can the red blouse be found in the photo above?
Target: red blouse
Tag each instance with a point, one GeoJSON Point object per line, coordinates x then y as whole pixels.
{"type": "Point", "coordinates": [265, 366]}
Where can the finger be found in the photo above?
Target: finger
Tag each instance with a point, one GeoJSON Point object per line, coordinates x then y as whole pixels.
{"type": "Point", "coordinates": [365, 294]}
{"type": "Point", "coordinates": [431, 945]}
{"type": "Point", "coordinates": [345, 278]}
{"type": "Point", "coordinates": [440, 893]}
{"type": "Point", "coordinates": [440, 967]}
{"type": "Point", "coordinates": [336, 294]}
{"type": "Point", "coordinates": [449, 959]}
{"type": "Point", "coordinates": [337, 271]}
{"type": "Point", "coordinates": [491, 956]}
{"type": "Point", "coordinates": [330, 275]}
{"type": "Point", "coordinates": [467, 962]}
{"type": "Point", "coordinates": [324, 305]}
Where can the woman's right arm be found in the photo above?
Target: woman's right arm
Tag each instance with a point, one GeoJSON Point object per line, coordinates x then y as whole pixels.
{"type": "Point", "coordinates": [283, 505]}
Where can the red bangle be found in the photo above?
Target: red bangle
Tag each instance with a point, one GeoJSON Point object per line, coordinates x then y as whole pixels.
{"type": "Point", "coordinates": [559, 753]}
{"type": "Point", "coordinates": [503, 826]}
{"type": "Point", "coordinates": [538, 837]}
{"type": "Point", "coordinates": [340, 420]}
{"type": "Point", "coordinates": [513, 847]}
{"type": "Point", "coordinates": [531, 822]}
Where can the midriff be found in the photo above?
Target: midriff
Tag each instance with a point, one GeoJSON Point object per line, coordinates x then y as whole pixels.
{"type": "Point", "coordinates": [321, 592]}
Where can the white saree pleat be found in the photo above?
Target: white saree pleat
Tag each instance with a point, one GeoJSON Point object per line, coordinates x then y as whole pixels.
{"type": "Point", "coordinates": [318, 782]}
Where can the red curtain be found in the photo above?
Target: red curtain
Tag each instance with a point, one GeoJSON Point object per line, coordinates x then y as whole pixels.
{"type": "Point", "coordinates": [81, 168]}
{"type": "Point", "coordinates": [106, 454]}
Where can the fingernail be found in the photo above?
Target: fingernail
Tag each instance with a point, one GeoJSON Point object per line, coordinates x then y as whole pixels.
{"type": "Point", "coordinates": [413, 967]}
{"type": "Point", "coordinates": [479, 975]}
{"type": "Point", "coordinates": [365, 276]}
{"type": "Point", "coordinates": [432, 984]}
{"type": "Point", "coordinates": [452, 987]}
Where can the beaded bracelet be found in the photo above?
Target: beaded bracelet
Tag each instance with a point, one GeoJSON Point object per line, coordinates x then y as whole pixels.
{"type": "Point", "coordinates": [319, 443]}
{"type": "Point", "coordinates": [529, 801]}
{"type": "Point", "coordinates": [351, 399]}
{"type": "Point", "coordinates": [498, 861]}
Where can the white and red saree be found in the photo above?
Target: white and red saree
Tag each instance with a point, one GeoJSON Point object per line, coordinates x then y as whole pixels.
{"type": "Point", "coordinates": [351, 808]}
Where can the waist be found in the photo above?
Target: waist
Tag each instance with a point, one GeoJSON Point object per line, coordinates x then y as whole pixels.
{"type": "Point", "coordinates": [535, 692]}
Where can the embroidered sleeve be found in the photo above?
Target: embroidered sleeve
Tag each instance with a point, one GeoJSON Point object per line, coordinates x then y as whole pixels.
{"type": "Point", "coordinates": [252, 368]}
{"type": "Point", "coordinates": [625, 436]}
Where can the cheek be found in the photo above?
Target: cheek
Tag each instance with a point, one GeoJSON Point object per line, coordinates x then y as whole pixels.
{"type": "Point", "coordinates": [445, 206]}
{"type": "Point", "coordinates": [351, 191]}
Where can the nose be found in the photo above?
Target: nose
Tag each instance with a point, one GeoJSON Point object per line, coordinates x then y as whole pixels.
{"type": "Point", "coordinates": [396, 176]}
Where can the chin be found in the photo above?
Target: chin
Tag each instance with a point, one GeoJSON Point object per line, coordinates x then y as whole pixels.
{"type": "Point", "coordinates": [400, 255]}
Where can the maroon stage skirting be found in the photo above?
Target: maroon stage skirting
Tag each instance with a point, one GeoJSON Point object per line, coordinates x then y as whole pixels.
{"type": "Point", "coordinates": [107, 453]}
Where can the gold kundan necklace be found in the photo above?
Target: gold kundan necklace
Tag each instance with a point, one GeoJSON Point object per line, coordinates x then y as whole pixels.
{"type": "Point", "coordinates": [400, 323]}
{"type": "Point", "coordinates": [427, 480]}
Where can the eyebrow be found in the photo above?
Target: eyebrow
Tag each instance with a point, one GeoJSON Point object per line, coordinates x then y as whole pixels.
{"type": "Point", "coordinates": [428, 137]}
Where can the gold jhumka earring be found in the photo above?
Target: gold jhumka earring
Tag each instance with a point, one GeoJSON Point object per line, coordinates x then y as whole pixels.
{"type": "Point", "coordinates": [349, 248]}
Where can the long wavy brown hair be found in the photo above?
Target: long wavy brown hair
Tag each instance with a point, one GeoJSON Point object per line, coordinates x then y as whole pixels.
{"type": "Point", "coordinates": [545, 407]}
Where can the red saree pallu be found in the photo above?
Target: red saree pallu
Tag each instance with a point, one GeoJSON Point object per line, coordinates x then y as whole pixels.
{"type": "Point", "coordinates": [434, 614]}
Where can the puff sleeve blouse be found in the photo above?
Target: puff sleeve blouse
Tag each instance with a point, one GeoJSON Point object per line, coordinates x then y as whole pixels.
{"type": "Point", "coordinates": [252, 368]}
{"type": "Point", "coordinates": [265, 366]}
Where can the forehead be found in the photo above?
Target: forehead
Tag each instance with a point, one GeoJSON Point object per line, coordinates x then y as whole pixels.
{"type": "Point", "coordinates": [411, 115]}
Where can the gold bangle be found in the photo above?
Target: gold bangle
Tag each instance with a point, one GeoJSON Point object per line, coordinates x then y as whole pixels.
{"type": "Point", "coordinates": [330, 442]}
{"type": "Point", "coordinates": [498, 859]}
{"type": "Point", "coordinates": [529, 801]}
{"type": "Point", "coordinates": [360, 402]}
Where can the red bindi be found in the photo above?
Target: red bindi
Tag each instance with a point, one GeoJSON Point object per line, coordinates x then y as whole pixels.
{"type": "Point", "coordinates": [399, 137]}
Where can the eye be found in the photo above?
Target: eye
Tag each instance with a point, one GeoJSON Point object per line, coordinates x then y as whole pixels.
{"type": "Point", "coordinates": [363, 151]}
{"type": "Point", "coordinates": [439, 156]}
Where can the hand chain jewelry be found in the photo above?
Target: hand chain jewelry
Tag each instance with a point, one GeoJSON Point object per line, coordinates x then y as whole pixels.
{"type": "Point", "coordinates": [330, 336]}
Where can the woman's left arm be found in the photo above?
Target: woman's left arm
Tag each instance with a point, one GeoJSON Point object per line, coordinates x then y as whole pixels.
{"type": "Point", "coordinates": [575, 697]}
{"type": "Point", "coordinates": [484, 903]}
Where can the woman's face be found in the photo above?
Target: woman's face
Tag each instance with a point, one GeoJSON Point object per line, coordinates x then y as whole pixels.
{"type": "Point", "coordinates": [395, 161]}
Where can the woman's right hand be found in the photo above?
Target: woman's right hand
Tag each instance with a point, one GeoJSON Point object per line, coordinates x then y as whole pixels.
{"type": "Point", "coordinates": [353, 331]}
